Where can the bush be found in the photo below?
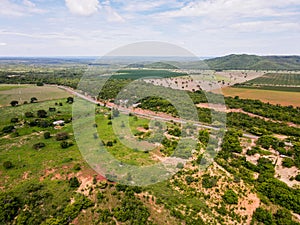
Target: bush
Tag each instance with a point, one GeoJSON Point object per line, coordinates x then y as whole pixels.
{"type": "Point", "coordinates": [28, 114]}
{"type": "Point", "coordinates": [297, 178]}
{"type": "Point", "coordinates": [39, 145]}
{"type": "Point", "coordinates": [230, 197]}
{"type": "Point", "coordinates": [33, 100]}
{"type": "Point", "coordinates": [14, 103]}
{"type": "Point", "coordinates": [74, 182]}
{"type": "Point", "coordinates": [77, 167]}
{"type": "Point", "coordinates": [47, 135]}
{"type": "Point", "coordinates": [7, 164]}
{"type": "Point", "coordinates": [14, 120]}
{"type": "Point", "coordinates": [41, 113]}
{"type": "Point", "coordinates": [8, 129]}
{"type": "Point", "coordinates": [287, 162]}
{"type": "Point", "coordinates": [208, 181]}
{"type": "Point", "coordinates": [264, 216]}
{"type": "Point", "coordinates": [65, 144]}
{"type": "Point", "coordinates": [62, 136]}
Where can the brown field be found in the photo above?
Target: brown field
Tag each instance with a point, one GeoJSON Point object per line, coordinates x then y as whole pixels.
{"type": "Point", "coordinates": [273, 97]}
{"type": "Point", "coordinates": [23, 93]}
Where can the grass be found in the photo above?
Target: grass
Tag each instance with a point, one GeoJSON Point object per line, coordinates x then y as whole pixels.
{"type": "Point", "coordinates": [23, 93]}
{"type": "Point", "coordinates": [284, 98]}
{"type": "Point", "coordinates": [123, 149]}
{"type": "Point", "coordinates": [6, 87]}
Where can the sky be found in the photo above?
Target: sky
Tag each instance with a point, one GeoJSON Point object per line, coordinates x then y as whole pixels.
{"type": "Point", "coordinates": [96, 27]}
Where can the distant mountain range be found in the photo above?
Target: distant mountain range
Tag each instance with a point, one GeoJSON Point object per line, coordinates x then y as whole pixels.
{"type": "Point", "coordinates": [229, 62]}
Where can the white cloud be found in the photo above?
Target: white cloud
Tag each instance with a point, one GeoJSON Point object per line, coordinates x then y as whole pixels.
{"type": "Point", "coordinates": [9, 8]}
{"type": "Point", "coordinates": [266, 26]}
{"type": "Point", "coordinates": [83, 7]}
{"type": "Point", "coordinates": [233, 8]}
{"type": "Point", "coordinates": [112, 15]}
{"type": "Point", "coordinates": [3, 44]}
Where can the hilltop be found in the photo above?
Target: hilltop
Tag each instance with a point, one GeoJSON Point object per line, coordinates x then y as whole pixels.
{"type": "Point", "coordinates": [254, 62]}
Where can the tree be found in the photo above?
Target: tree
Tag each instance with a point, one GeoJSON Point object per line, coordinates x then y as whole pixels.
{"type": "Point", "coordinates": [9, 205]}
{"type": "Point", "coordinates": [70, 100]}
{"type": "Point", "coordinates": [14, 103]}
{"type": "Point", "coordinates": [41, 113]}
{"type": "Point", "coordinates": [62, 136]}
{"type": "Point", "coordinates": [39, 84]}
{"type": "Point", "coordinates": [33, 100]}
{"type": "Point", "coordinates": [74, 182]}
{"type": "Point", "coordinates": [47, 135]}
{"type": "Point", "coordinates": [264, 216]}
{"type": "Point", "coordinates": [204, 136]}
{"type": "Point", "coordinates": [287, 162]}
{"type": "Point", "coordinates": [64, 144]}
{"type": "Point", "coordinates": [230, 197]}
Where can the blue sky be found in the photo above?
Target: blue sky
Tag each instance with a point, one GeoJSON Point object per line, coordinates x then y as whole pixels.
{"type": "Point", "coordinates": [95, 27]}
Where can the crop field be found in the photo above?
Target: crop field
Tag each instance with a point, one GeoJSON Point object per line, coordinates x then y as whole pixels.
{"type": "Point", "coordinates": [274, 79]}
{"type": "Point", "coordinates": [22, 93]}
{"type": "Point", "coordinates": [284, 98]}
{"type": "Point", "coordinates": [142, 73]}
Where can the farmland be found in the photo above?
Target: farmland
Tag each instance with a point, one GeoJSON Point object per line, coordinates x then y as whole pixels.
{"type": "Point", "coordinates": [24, 93]}
{"type": "Point", "coordinates": [47, 178]}
{"type": "Point", "coordinates": [276, 79]}
{"type": "Point", "coordinates": [285, 98]}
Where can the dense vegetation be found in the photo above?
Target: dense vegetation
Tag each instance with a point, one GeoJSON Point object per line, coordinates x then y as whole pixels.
{"type": "Point", "coordinates": [254, 62]}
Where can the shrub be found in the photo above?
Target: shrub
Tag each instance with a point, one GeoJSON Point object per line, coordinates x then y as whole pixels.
{"type": "Point", "coordinates": [47, 135]}
{"type": "Point", "coordinates": [74, 182]}
{"type": "Point", "coordinates": [65, 144]}
{"type": "Point", "coordinates": [41, 113]}
{"type": "Point", "coordinates": [33, 100]}
{"type": "Point", "coordinates": [70, 100]}
{"type": "Point", "coordinates": [297, 178]}
{"type": "Point", "coordinates": [230, 197]}
{"type": "Point", "coordinates": [28, 114]}
{"type": "Point", "coordinates": [264, 216]}
{"type": "Point", "coordinates": [77, 167]}
{"type": "Point", "coordinates": [39, 145]}
{"type": "Point", "coordinates": [39, 84]}
{"type": "Point", "coordinates": [287, 162]}
{"type": "Point", "coordinates": [208, 181]}
{"type": "Point", "coordinates": [52, 109]}
{"type": "Point", "coordinates": [8, 129]}
{"type": "Point", "coordinates": [14, 103]}
{"type": "Point", "coordinates": [109, 144]}
{"type": "Point", "coordinates": [7, 164]}
{"type": "Point", "coordinates": [14, 120]}
{"type": "Point", "coordinates": [62, 136]}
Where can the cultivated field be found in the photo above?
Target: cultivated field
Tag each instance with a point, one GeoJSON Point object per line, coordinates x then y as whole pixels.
{"type": "Point", "coordinates": [285, 98]}
{"type": "Point", "coordinates": [24, 92]}
{"type": "Point", "coordinates": [277, 79]}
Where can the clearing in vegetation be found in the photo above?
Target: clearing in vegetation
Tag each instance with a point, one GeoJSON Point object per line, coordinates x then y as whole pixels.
{"type": "Point", "coordinates": [284, 98]}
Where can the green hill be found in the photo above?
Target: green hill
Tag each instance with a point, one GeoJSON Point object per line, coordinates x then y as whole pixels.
{"type": "Point", "coordinates": [254, 62]}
